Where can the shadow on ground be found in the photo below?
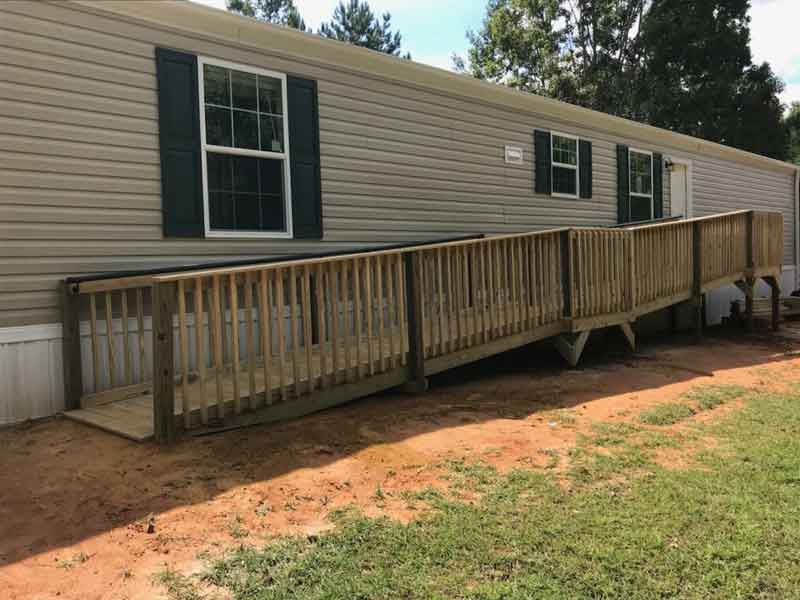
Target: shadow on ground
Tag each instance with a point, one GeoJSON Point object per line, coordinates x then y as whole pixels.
{"type": "Point", "coordinates": [62, 483]}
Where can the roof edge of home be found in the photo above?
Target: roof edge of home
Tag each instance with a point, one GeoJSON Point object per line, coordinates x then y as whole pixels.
{"type": "Point", "coordinates": [193, 19]}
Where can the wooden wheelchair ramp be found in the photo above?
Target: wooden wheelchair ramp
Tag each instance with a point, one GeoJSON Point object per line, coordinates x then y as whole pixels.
{"type": "Point", "coordinates": [152, 355]}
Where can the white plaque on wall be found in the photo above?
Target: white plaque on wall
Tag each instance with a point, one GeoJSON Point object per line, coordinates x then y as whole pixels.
{"type": "Point", "coordinates": [514, 155]}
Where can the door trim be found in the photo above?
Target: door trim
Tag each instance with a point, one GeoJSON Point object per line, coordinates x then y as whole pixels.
{"type": "Point", "coordinates": [688, 163]}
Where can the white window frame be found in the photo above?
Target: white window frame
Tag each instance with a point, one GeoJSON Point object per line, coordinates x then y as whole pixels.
{"type": "Point", "coordinates": [576, 167]}
{"type": "Point", "coordinates": [652, 180]}
{"type": "Point", "coordinates": [284, 156]}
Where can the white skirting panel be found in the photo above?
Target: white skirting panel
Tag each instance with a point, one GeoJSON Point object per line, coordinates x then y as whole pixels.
{"type": "Point", "coordinates": [31, 375]}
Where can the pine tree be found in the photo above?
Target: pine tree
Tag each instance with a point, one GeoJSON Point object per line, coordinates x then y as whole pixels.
{"type": "Point", "coordinates": [280, 12]}
{"type": "Point", "coordinates": [355, 23]}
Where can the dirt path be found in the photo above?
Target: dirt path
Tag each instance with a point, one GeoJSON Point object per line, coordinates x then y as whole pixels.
{"type": "Point", "coordinates": [76, 504]}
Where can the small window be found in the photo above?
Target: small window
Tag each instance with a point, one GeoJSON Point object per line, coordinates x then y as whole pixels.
{"type": "Point", "coordinates": [641, 185]}
{"type": "Point", "coordinates": [245, 151]}
{"type": "Point", "coordinates": [565, 165]}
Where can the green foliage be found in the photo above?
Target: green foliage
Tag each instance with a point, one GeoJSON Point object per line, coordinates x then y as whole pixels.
{"type": "Point", "coordinates": [280, 12]}
{"type": "Point", "coordinates": [793, 126]}
{"type": "Point", "coordinates": [355, 23]}
{"type": "Point", "coordinates": [584, 52]}
{"type": "Point", "coordinates": [684, 66]}
{"type": "Point", "coordinates": [628, 529]}
{"type": "Point", "coordinates": [698, 77]}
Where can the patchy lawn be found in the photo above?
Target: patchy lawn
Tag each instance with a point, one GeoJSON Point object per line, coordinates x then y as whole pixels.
{"type": "Point", "coordinates": [625, 526]}
{"type": "Point", "coordinates": [506, 481]}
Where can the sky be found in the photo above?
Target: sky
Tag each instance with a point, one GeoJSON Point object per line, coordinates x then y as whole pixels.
{"type": "Point", "coordinates": [434, 29]}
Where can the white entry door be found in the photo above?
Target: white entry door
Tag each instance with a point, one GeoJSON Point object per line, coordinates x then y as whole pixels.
{"type": "Point", "coordinates": [679, 191]}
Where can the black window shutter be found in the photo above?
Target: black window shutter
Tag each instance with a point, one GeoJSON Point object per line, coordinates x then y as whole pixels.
{"type": "Point", "coordinates": [585, 168]}
{"type": "Point", "coordinates": [541, 144]}
{"type": "Point", "coordinates": [304, 149]}
{"type": "Point", "coordinates": [179, 141]}
{"type": "Point", "coordinates": [658, 186]}
{"type": "Point", "coordinates": [623, 185]}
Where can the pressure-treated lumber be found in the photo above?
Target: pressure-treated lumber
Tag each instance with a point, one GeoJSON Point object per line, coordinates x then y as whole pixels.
{"type": "Point", "coordinates": [316, 331]}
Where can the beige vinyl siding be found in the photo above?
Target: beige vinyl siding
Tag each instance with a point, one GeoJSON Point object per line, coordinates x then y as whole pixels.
{"type": "Point", "coordinates": [80, 177]}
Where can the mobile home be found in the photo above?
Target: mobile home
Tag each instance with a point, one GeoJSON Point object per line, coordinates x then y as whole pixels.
{"type": "Point", "coordinates": [144, 135]}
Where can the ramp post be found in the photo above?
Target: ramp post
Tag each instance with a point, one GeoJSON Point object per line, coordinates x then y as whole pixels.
{"type": "Point", "coordinates": [697, 279]}
{"type": "Point", "coordinates": [71, 340]}
{"type": "Point", "coordinates": [164, 296]}
{"type": "Point", "coordinates": [417, 381]}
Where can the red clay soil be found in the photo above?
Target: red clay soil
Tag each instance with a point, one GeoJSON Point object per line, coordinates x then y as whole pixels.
{"type": "Point", "coordinates": [85, 514]}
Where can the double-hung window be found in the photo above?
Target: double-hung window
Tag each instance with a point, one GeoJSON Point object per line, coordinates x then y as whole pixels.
{"type": "Point", "coordinates": [641, 185]}
{"type": "Point", "coordinates": [564, 150]}
{"type": "Point", "coordinates": [245, 151]}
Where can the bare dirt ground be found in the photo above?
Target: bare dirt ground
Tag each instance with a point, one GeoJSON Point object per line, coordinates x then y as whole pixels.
{"type": "Point", "coordinates": [85, 514]}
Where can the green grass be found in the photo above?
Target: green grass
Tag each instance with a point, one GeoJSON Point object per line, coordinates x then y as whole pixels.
{"type": "Point", "coordinates": [623, 527]}
{"type": "Point", "coordinates": [666, 414]}
{"type": "Point", "coordinates": [179, 587]}
{"type": "Point", "coordinates": [698, 399]}
{"type": "Point", "coordinates": [712, 396]}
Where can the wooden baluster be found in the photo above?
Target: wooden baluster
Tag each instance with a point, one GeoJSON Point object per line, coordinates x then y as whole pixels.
{"type": "Point", "coordinates": [455, 265]}
{"type": "Point", "coordinates": [307, 337]}
{"type": "Point", "coordinates": [215, 314]}
{"type": "Point", "coordinates": [126, 344]}
{"type": "Point", "coordinates": [334, 302]}
{"type": "Point", "coordinates": [294, 327]}
{"type": "Point", "coordinates": [357, 314]}
{"type": "Point", "coordinates": [466, 291]}
{"type": "Point", "coordinates": [183, 336]}
{"type": "Point", "coordinates": [322, 311]}
{"type": "Point", "coordinates": [280, 325]}
{"type": "Point", "coordinates": [401, 307]}
{"type": "Point", "coordinates": [265, 308]}
{"type": "Point", "coordinates": [235, 360]}
{"type": "Point", "coordinates": [516, 289]}
{"type": "Point", "coordinates": [448, 259]}
{"type": "Point", "coordinates": [249, 339]}
{"type": "Point", "coordinates": [486, 317]}
{"type": "Point", "coordinates": [368, 308]}
{"type": "Point", "coordinates": [440, 302]}
{"type": "Point", "coordinates": [200, 352]}
{"type": "Point", "coordinates": [380, 302]}
{"type": "Point", "coordinates": [110, 340]}
{"type": "Point", "coordinates": [346, 338]}
{"type": "Point", "coordinates": [491, 276]}
{"type": "Point", "coordinates": [95, 341]}
{"type": "Point", "coordinates": [430, 296]}
{"type": "Point", "coordinates": [140, 336]}
{"type": "Point", "coordinates": [391, 306]}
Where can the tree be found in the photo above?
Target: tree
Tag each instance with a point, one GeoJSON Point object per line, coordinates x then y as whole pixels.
{"type": "Point", "coordinates": [355, 23]}
{"type": "Point", "coordinates": [682, 65]}
{"type": "Point", "coordinates": [698, 77]}
{"type": "Point", "coordinates": [580, 51]}
{"type": "Point", "coordinates": [280, 12]}
{"type": "Point", "coordinates": [792, 123]}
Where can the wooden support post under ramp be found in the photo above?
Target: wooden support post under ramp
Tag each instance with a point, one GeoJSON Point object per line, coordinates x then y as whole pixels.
{"type": "Point", "coordinates": [747, 286]}
{"type": "Point", "coordinates": [571, 346]}
{"type": "Point", "coordinates": [776, 301]}
{"type": "Point", "coordinates": [630, 335]}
